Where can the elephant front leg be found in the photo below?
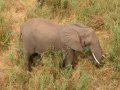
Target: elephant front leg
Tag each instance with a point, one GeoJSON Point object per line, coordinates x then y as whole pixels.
{"type": "Point", "coordinates": [69, 57]}
{"type": "Point", "coordinates": [75, 60]}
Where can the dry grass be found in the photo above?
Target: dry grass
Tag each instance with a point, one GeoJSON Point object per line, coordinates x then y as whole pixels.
{"type": "Point", "coordinates": [102, 15]}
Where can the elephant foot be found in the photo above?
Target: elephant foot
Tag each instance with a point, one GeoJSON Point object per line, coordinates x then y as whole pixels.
{"type": "Point", "coordinates": [29, 69]}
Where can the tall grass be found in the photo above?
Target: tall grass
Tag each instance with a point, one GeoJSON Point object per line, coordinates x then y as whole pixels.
{"type": "Point", "coordinates": [114, 25]}
{"type": "Point", "coordinates": [2, 5]}
{"type": "Point", "coordinates": [99, 14]}
{"type": "Point", "coordinates": [83, 82]}
{"type": "Point", "coordinates": [53, 8]}
{"type": "Point", "coordinates": [115, 47]}
{"type": "Point", "coordinates": [5, 33]}
{"type": "Point", "coordinates": [91, 12]}
{"type": "Point", "coordinates": [5, 27]}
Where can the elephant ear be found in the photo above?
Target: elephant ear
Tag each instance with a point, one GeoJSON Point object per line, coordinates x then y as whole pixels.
{"type": "Point", "coordinates": [71, 38]}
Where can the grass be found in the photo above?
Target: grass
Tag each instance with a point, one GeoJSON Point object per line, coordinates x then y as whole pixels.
{"type": "Point", "coordinates": [2, 5]}
{"type": "Point", "coordinates": [5, 33]}
{"type": "Point", "coordinates": [114, 48]}
{"type": "Point", "coordinates": [83, 82]}
{"type": "Point", "coordinates": [102, 15]}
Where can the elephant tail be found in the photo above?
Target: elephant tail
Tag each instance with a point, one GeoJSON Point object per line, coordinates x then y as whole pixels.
{"type": "Point", "coordinates": [20, 46]}
{"type": "Point", "coordinates": [20, 37]}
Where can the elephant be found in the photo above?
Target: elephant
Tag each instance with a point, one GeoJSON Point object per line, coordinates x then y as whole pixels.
{"type": "Point", "coordinates": [38, 35]}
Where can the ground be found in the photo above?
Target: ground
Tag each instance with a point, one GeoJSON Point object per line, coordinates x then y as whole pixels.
{"type": "Point", "coordinates": [86, 74]}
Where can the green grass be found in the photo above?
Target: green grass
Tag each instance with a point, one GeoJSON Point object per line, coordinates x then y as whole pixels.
{"type": "Point", "coordinates": [5, 33]}
{"type": "Point", "coordinates": [53, 9]}
{"type": "Point", "coordinates": [2, 5]}
{"type": "Point", "coordinates": [49, 76]}
{"type": "Point", "coordinates": [115, 47]}
{"type": "Point", "coordinates": [83, 82]}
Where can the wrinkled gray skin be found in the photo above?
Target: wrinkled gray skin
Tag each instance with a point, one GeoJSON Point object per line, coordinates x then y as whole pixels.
{"type": "Point", "coordinates": [38, 35]}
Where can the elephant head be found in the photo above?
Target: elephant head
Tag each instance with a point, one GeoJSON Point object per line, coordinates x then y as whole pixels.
{"type": "Point", "coordinates": [95, 48]}
{"type": "Point", "coordinates": [78, 37]}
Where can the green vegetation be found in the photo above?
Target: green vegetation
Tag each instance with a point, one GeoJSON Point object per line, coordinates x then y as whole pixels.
{"type": "Point", "coordinates": [83, 82]}
{"type": "Point", "coordinates": [102, 15]}
{"type": "Point", "coordinates": [5, 33]}
{"type": "Point", "coordinates": [115, 47]}
{"type": "Point", "coordinates": [2, 5]}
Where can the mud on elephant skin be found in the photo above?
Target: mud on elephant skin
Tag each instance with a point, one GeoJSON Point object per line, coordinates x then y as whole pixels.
{"type": "Point", "coordinates": [38, 35]}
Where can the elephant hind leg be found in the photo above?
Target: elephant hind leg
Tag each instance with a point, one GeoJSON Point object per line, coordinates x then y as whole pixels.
{"type": "Point", "coordinates": [36, 58]}
{"type": "Point", "coordinates": [32, 60]}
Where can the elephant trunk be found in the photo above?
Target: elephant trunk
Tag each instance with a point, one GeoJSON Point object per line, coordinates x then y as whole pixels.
{"type": "Point", "coordinates": [96, 52]}
{"type": "Point", "coordinates": [95, 58]}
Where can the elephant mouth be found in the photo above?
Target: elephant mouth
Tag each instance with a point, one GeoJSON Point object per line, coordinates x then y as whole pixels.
{"type": "Point", "coordinates": [99, 63]}
{"type": "Point", "coordinates": [95, 59]}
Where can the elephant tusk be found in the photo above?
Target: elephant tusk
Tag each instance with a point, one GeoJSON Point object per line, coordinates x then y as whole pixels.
{"type": "Point", "coordinates": [103, 56]}
{"type": "Point", "coordinates": [95, 58]}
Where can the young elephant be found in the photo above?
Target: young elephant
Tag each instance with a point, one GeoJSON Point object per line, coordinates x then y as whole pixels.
{"type": "Point", "coordinates": [38, 35]}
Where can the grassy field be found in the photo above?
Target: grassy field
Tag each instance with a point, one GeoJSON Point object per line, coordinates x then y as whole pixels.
{"type": "Point", "coordinates": [102, 15]}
